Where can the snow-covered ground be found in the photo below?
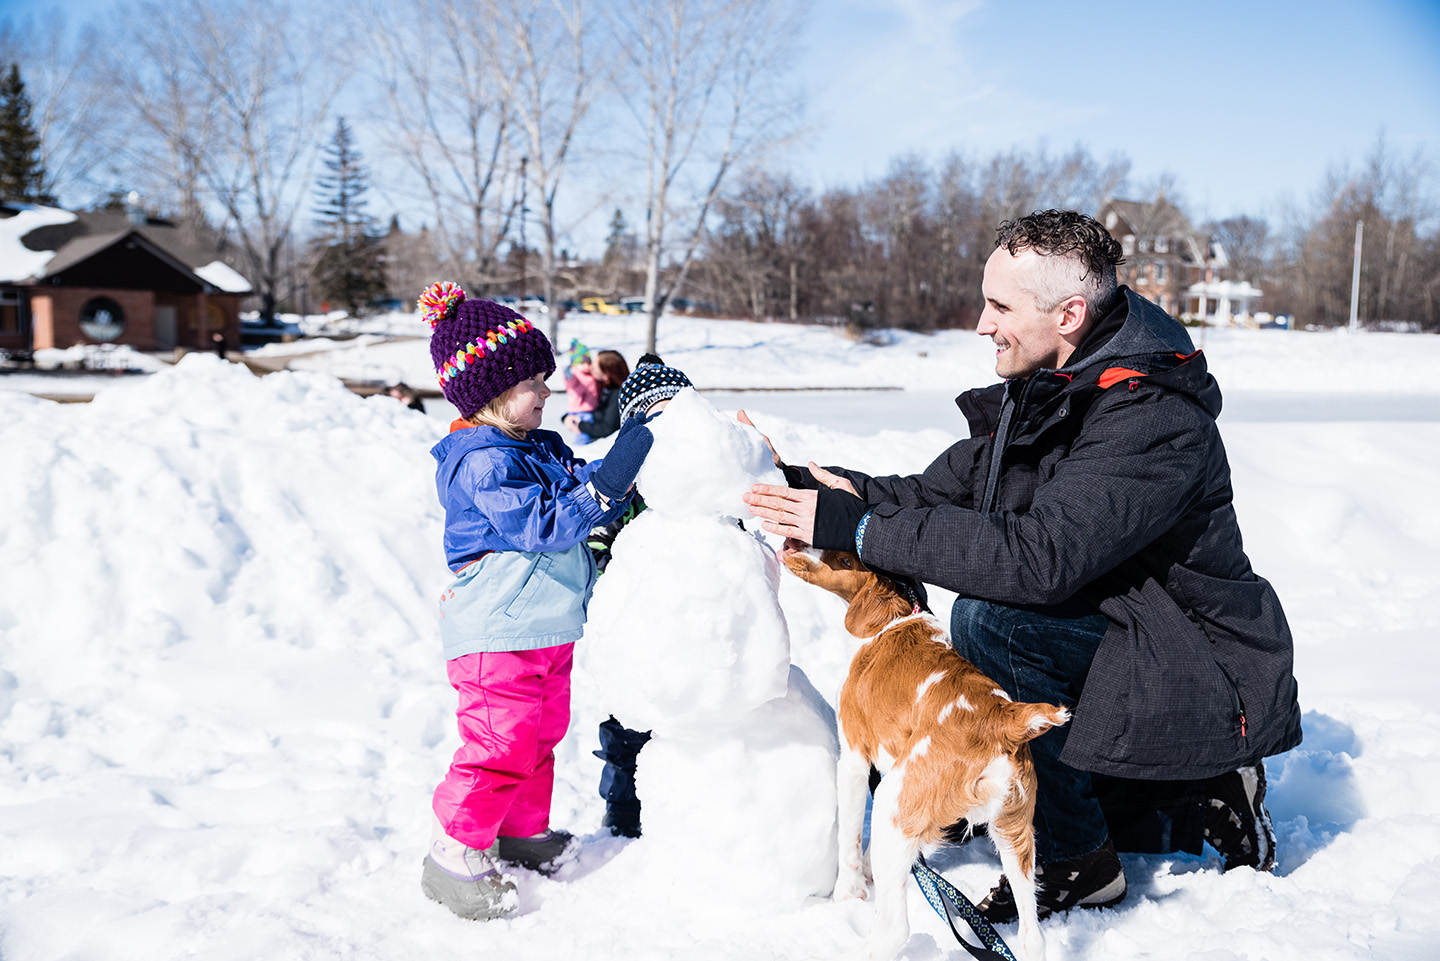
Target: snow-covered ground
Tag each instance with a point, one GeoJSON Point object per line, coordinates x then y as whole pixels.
{"type": "Point", "coordinates": [223, 708]}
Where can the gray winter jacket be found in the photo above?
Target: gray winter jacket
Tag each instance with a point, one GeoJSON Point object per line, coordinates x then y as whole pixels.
{"type": "Point", "coordinates": [1112, 490]}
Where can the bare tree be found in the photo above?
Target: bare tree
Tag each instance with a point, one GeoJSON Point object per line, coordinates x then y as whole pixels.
{"type": "Point", "coordinates": [170, 126]}
{"type": "Point", "coordinates": [271, 80]}
{"type": "Point", "coordinates": [549, 92]}
{"type": "Point", "coordinates": [703, 88]}
{"type": "Point", "coordinates": [437, 62]}
{"type": "Point", "coordinates": [235, 94]}
{"type": "Point", "coordinates": [1395, 197]}
{"type": "Point", "coordinates": [751, 256]}
{"type": "Point", "coordinates": [1246, 241]}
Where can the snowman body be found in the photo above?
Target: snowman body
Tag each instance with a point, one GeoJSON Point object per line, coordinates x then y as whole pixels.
{"type": "Point", "coordinates": [686, 639]}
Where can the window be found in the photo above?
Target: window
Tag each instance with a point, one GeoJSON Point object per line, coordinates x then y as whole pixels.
{"type": "Point", "coordinates": [102, 319]}
{"type": "Point", "coordinates": [1142, 275]}
{"type": "Point", "coordinates": [1128, 244]}
{"type": "Point", "coordinates": [11, 305]}
{"type": "Point", "coordinates": [1160, 273]}
{"type": "Point", "coordinates": [1162, 245]}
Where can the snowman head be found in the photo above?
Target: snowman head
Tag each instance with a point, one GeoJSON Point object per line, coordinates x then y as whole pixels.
{"type": "Point", "coordinates": [702, 461]}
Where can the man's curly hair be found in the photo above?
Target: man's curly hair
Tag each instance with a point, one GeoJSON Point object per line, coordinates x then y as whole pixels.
{"type": "Point", "coordinates": [1073, 236]}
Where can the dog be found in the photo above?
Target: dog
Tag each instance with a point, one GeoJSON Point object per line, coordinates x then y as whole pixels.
{"type": "Point", "coordinates": [950, 743]}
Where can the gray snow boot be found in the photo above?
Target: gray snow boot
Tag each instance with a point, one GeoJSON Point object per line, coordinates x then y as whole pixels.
{"type": "Point", "coordinates": [466, 880]}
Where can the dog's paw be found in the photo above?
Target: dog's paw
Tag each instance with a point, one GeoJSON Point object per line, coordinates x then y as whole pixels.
{"type": "Point", "coordinates": [851, 886]}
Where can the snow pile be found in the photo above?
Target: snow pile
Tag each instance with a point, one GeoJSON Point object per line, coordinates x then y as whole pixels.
{"type": "Point", "coordinates": [223, 707]}
{"type": "Point", "coordinates": [686, 639]}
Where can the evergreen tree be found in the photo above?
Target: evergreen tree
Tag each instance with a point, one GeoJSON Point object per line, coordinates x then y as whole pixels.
{"type": "Point", "coordinates": [615, 241]}
{"type": "Point", "coordinates": [349, 251]}
{"type": "Point", "coordinates": [22, 176]}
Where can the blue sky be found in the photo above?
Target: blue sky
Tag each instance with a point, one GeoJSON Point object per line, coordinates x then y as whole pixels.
{"type": "Point", "coordinates": [1246, 104]}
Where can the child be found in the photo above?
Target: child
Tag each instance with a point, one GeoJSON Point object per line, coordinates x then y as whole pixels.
{"type": "Point", "coordinates": [582, 389]}
{"type": "Point", "coordinates": [643, 394]}
{"type": "Point", "coordinates": [610, 372]}
{"type": "Point", "coordinates": [518, 507]}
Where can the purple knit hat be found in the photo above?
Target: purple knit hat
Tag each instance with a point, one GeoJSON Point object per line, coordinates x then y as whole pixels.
{"type": "Point", "coordinates": [480, 348]}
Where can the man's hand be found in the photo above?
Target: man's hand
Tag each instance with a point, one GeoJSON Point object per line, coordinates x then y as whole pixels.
{"type": "Point", "coordinates": [789, 512]}
{"type": "Point", "coordinates": [744, 418]}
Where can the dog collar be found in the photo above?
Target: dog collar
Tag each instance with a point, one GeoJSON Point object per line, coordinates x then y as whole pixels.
{"type": "Point", "coordinates": [912, 616]}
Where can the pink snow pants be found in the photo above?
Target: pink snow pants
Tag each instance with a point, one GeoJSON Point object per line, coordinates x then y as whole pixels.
{"type": "Point", "coordinates": [514, 708]}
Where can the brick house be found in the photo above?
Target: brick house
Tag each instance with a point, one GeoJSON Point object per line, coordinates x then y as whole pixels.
{"type": "Point", "coordinates": [1169, 263]}
{"type": "Point", "coordinates": [70, 277]}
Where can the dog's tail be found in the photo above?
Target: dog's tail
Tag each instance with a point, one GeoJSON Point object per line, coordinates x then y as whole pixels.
{"type": "Point", "coordinates": [1024, 722]}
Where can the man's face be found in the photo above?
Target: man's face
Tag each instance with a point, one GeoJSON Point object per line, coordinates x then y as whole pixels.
{"type": "Point", "coordinates": [1026, 338]}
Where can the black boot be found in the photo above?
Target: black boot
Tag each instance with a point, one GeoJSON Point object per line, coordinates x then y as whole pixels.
{"type": "Point", "coordinates": [619, 747]}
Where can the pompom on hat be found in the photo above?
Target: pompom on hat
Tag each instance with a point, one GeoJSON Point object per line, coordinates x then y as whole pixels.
{"type": "Point", "coordinates": [480, 348]}
{"type": "Point", "coordinates": [650, 383]}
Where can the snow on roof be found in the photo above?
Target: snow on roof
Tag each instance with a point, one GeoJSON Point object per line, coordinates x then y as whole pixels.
{"type": "Point", "coordinates": [18, 262]}
{"type": "Point", "coordinates": [223, 276]}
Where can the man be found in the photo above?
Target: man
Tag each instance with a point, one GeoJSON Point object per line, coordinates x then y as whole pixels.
{"type": "Point", "coordinates": [1088, 527]}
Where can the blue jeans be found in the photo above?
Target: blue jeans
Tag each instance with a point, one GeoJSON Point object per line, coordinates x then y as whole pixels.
{"type": "Point", "coordinates": [1042, 655]}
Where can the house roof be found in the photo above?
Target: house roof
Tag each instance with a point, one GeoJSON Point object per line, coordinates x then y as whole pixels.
{"type": "Point", "coordinates": [1158, 219]}
{"type": "Point", "coordinates": [18, 261]}
{"type": "Point", "coordinates": [47, 240]}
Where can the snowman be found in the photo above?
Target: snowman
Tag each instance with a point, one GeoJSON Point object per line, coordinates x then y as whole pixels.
{"type": "Point", "coordinates": [686, 639]}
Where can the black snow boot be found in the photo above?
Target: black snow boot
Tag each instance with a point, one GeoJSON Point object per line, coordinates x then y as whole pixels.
{"type": "Point", "coordinates": [619, 747]}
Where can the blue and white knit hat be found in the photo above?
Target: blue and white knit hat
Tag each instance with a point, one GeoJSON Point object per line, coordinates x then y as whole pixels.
{"type": "Point", "coordinates": [650, 383]}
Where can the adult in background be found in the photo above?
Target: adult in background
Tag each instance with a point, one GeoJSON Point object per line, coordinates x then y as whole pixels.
{"type": "Point", "coordinates": [610, 371]}
{"type": "Point", "coordinates": [1089, 529]}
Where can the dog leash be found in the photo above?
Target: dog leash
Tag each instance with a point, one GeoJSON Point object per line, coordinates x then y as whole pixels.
{"type": "Point", "coordinates": [947, 901]}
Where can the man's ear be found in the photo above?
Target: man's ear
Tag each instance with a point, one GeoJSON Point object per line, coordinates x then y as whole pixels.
{"type": "Point", "coordinates": [1073, 312]}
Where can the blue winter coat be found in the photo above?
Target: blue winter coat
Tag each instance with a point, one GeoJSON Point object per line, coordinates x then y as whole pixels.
{"type": "Point", "coordinates": [517, 514]}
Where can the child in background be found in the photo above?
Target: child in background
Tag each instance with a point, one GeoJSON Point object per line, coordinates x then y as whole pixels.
{"type": "Point", "coordinates": [582, 389]}
{"type": "Point", "coordinates": [518, 508]}
{"type": "Point", "coordinates": [643, 395]}
{"type": "Point", "coordinates": [610, 372]}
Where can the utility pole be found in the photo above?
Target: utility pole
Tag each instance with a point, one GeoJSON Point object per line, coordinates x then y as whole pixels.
{"type": "Point", "coordinates": [1355, 279]}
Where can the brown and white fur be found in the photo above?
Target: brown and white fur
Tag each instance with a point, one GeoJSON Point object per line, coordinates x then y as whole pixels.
{"type": "Point", "coordinates": [950, 743]}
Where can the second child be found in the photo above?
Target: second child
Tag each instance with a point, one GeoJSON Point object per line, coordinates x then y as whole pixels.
{"type": "Point", "coordinates": [582, 389]}
{"type": "Point", "coordinates": [518, 508]}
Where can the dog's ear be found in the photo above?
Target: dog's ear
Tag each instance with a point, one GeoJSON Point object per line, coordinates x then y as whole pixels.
{"type": "Point", "coordinates": [874, 605]}
{"type": "Point", "coordinates": [1024, 722]}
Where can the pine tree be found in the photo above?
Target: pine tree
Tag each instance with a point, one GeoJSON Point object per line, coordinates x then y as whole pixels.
{"type": "Point", "coordinates": [615, 241]}
{"type": "Point", "coordinates": [22, 176]}
{"type": "Point", "coordinates": [349, 251]}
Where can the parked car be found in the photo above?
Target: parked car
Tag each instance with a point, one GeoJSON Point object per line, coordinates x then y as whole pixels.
{"type": "Point", "coordinates": [387, 305]}
{"type": "Point", "coordinates": [571, 305]}
{"type": "Point", "coordinates": [599, 305]}
{"type": "Point", "coordinates": [259, 332]}
{"type": "Point", "coordinates": [633, 305]}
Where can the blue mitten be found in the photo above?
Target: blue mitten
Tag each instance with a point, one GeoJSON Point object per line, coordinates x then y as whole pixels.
{"type": "Point", "coordinates": [618, 469]}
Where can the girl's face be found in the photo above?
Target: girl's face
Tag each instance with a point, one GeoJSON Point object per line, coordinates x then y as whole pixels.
{"type": "Point", "coordinates": [525, 402]}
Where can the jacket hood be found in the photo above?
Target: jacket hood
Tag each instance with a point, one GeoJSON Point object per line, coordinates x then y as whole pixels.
{"type": "Point", "coordinates": [1137, 338]}
{"type": "Point", "coordinates": [1144, 329]}
{"type": "Point", "coordinates": [476, 438]}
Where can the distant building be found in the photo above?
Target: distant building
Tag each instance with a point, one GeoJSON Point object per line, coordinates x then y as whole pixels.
{"type": "Point", "coordinates": [1167, 262]}
{"type": "Point", "coordinates": [118, 277]}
